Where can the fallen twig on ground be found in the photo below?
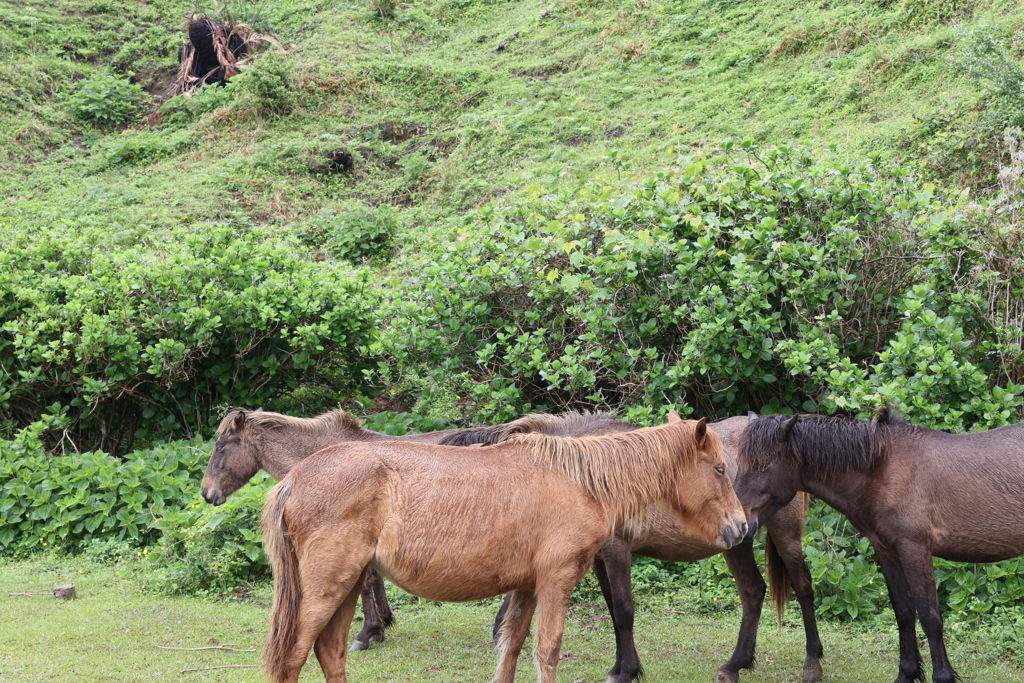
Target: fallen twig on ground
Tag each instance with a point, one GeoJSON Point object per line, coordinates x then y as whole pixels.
{"type": "Point", "coordinates": [226, 666]}
{"type": "Point", "coordinates": [208, 647]}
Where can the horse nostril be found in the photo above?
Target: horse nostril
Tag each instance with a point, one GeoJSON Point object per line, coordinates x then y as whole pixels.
{"type": "Point", "coordinates": [743, 529]}
{"type": "Point", "coordinates": [728, 537]}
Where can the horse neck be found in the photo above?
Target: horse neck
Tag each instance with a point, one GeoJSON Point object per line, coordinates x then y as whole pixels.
{"type": "Point", "coordinates": [849, 493]}
{"type": "Point", "coordinates": [624, 481]}
{"type": "Point", "coordinates": [281, 450]}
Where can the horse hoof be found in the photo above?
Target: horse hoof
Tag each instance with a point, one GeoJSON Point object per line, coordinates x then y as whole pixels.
{"type": "Point", "coordinates": [358, 645]}
{"type": "Point", "coordinates": [813, 674]}
{"type": "Point", "coordinates": [726, 677]}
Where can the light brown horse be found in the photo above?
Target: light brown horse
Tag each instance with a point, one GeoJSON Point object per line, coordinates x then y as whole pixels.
{"type": "Point", "coordinates": [664, 538]}
{"type": "Point", "coordinates": [913, 491]}
{"type": "Point", "coordinates": [526, 516]}
{"type": "Point", "coordinates": [248, 441]}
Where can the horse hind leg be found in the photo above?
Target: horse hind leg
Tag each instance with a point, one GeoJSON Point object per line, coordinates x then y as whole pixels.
{"type": "Point", "coordinates": [329, 582]}
{"type": "Point", "coordinates": [512, 635]}
{"type": "Point", "coordinates": [499, 619]}
{"type": "Point", "coordinates": [377, 614]}
{"type": "Point", "coordinates": [329, 646]}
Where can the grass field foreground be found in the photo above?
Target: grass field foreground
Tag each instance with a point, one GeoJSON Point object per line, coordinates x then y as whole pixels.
{"type": "Point", "coordinates": [111, 634]}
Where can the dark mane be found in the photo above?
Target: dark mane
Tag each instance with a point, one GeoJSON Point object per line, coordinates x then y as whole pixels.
{"type": "Point", "coordinates": [825, 446]}
{"type": "Point", "coordinates": [568, 424]}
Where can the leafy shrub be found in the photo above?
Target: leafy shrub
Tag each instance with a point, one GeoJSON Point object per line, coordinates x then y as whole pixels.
{"type": "Point", "coordinates": [182, 109]}
{"type": "Point", "coordinates": [415, 166]}
{"type": "Point", "coordinates": [698, 286]}
{"type": "Point", "coordinates": [984, 58]}
{"type": "Point", "coordinates": [65, 502]}
{"type": "Point", "coordinates": [143, 146]}
{"type": "Point", "coordinates": [266, 85]}
{"type": "Point", "coordinates": [212, 549]}
{"type": "Point", "coordinates": [106, 99]}
{"type": "Point", "coordinates": [150, 341]}
{"type": "Point", "coordinates": [383, 8]}
{"type": "Point", "coordinates": [400, 424]}
{"type": "Point", "coordinates": [356, 233]}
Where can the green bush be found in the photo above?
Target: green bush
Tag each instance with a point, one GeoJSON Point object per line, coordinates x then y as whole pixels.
{"type": "Point", "coordinates": [355, 233]}
{"type": "Point", "coordinates": [265, 86]}
{"type": "Point", "coordinates": [64, 502]}
{"type": "Point", "coordinates": [704, 287]}
{"type": "Point", "coordinates": [144, 146]}
{"type": "Point", "coordinates": [106, 99]}
{"type": "Point", "coordinates": [211, 549]}
{"type": "Point", "coordinates": [183, 109]}
{"type": "Point", "coordinates": [984, 58]}
{"type": "Point", "coordinates": [151, 341]}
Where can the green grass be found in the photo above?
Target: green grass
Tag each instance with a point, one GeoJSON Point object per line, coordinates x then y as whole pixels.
{"type": "Point", "coordinates": [439, 121]}
{"type": "Point", "coordinates": [111, 634]}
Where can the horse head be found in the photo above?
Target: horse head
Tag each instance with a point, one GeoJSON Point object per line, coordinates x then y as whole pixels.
{"type": "Point", "coordinates": [766, 479]}
{"type": "Point", "coordinates": [233, 461]}
{"type": "Point", "coordinates": [705, 499]}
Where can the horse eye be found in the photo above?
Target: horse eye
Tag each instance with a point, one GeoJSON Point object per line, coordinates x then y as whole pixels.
{"type": "Point", "coordinates": [720, 470]}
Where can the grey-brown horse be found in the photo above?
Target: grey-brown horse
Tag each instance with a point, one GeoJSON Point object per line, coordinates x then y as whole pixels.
{"type": "Point", "coordinates": [664, 538]}
{"type": "Point", "coordinates": [250, 441]}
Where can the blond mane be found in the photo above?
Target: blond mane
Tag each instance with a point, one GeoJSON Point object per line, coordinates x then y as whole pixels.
{"type": "Point", "coordinates": [624, 472]}
{"type": "Point", "coordinates": [328, 423]}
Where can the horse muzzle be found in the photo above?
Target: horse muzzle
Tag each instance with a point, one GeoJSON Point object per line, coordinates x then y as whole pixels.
{"type": "Point", "coordinates": [733, 534]}
{"type": "Point", "coordinates": [213, 496]}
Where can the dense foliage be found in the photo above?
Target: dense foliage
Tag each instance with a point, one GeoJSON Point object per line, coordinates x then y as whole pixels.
{"type": "Point", "coordinates": [772, 280]}
{"type": "Point", "coordinates": [63, 502]}
{"type": "Point", "coordinates": [152, 340]}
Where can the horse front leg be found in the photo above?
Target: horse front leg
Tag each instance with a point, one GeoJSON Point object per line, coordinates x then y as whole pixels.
{"type": "Point", "coordinates": [786, 529]}
{"type": "Point", "coordinates": [750, 585]}
{"type": "Point", "coordinates": [553, 603]}
{"type": "Point", "coordinates": [612, 569]}
{"type": "Point", "coordinates": [906, 616]}
{"type": "Point", "coordinates": [377, 614]}
{"type": "Point", "coordinates": [920, 573]}
{"type": "Point", "coordinates": [518, 606]}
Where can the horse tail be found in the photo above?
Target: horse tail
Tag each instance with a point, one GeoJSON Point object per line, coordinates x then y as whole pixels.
{"type": "Point", "coordinates": [780, 585]}
{"type": "Point", "coordinates": [287, 584]}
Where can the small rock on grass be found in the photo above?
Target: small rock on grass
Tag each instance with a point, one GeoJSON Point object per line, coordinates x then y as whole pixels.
{"type": "Point", "coordinates": [65, 592]}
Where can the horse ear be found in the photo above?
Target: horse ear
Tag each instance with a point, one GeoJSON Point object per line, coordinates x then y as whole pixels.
{"type": "Point", "coordinates": [258, 410]}
{"type": "Point", "coordinates": [673, 416]}
{"type": "Point", "coordinates": [751, 416]}
{"type": "Point", "coordinates": [239, 419]}
{"type": "Point", "coordinates": [787, 426]}
{"type": "Point", "coordinates": [700, 431]}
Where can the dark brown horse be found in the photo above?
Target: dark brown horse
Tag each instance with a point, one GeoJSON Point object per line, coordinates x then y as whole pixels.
{"type": "Point", "coordinates": [250, 441]}
{"type": "Point", "coordinates": [526, 516]}
{"type": "Point", "coordinates": [663, 538]}
{"type": "Point", "coordinates": [913, 491]}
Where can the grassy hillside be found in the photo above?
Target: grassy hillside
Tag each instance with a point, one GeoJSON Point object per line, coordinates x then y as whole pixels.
{"type": "Point", "coordinates": [448, 104]}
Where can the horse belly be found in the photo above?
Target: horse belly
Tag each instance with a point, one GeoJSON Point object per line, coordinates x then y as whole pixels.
{"type": "Point", "coordinates": [456, 549]}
